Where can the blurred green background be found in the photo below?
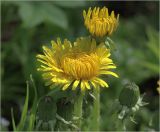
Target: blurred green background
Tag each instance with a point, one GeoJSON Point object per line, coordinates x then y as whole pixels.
{"type": "Point", "coordinates": [26, 26]}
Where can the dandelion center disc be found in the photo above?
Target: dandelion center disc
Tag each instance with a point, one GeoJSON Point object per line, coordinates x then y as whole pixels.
{"type": "Point", "coordinates": [80, 65]}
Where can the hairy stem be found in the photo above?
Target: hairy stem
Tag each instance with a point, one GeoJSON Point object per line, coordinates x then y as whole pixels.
{"type": "Point", "coordinates": [78, 110]}
{"type": "Point", "coordinates": [96, 110]}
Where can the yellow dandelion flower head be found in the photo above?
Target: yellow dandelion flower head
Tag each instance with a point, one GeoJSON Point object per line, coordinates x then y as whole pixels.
{"type": "Point", "coordinates": [80, 64]}
{"type": "Point", "coordinates": [99, 22]}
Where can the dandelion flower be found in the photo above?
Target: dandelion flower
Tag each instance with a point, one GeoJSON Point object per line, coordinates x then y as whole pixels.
{"type": "Point", "coordinates": [99, 22]}
{"type": "Point", "coordinates": [80, 64]}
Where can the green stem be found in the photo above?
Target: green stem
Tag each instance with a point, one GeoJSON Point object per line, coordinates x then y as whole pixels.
{"type": "Point", "coordinates": [96, 110]}
{"type": "Point", "coordinates": [78, 110]}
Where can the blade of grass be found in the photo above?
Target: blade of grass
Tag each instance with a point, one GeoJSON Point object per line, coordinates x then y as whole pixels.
{"type": "Point", "coordinates": [13, 122]}
{"type": "Point", "coordinates": [34, 106]}
{"type": "Point", "coordinates": [24, 112]}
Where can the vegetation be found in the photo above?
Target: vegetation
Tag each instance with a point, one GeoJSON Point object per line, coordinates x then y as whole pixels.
{"type": "Point", "coordinates": [27, 104]}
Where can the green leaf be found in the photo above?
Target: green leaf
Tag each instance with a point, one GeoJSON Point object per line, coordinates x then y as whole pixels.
{"type": "Point", "coordinates": [24, 112]}
{"type": "Point", "coordinates": [151, 66]}
{"type": "Point", "coordinates": [153, 43]}
{"type": "Point", "coordinates": [33, 14]}
{"type": "Point", "coordinates": [70, 4]}
{"type": "Point", "coordinates": [54, 15]}
{"type": "Point", "coordinates": [30, 14]}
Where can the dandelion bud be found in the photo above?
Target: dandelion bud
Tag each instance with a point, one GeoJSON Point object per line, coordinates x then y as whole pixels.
{"type": "Point", "coordinates": [129, 95]}
{"type": "Point", "coordinates": [99, 22]}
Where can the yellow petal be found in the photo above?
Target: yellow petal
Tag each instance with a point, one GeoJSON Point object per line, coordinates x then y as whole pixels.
{"type": "Point", "coordinates": [65, 86]}
{"type": "Point", "coordinates": [105, 67]}
{"type": "Point", "coordinates": [101, 82]}
{"type": "Point", "coordinates": [84, 14]}
{"type": "Point", "coordinates": [41, 57]}
{"type": "Point", "coordinates": [109, 73]}
{"type": "Point", "coordinates": [47, 75]}
{"type": "Point", "coordinates": [87, 85]}
{"type": "Point", "coordinates": [75, 84]}
{"type": "Point", "coordinates": [82, 86]}
{"type": "Point", "coordinates": [59, 41]}
{"type": "Point", "coordinates": [47, 51]}
{"type": "Point", "coordinates": [60, 80]}
{"type": "Point", "coordinates": [93, 84]}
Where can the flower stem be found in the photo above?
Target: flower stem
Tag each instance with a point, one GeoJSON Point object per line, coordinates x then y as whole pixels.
{"type": "Point", "coordinates": [96, 110]}
{"type": "Point", "coordinates": [78, 110]}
